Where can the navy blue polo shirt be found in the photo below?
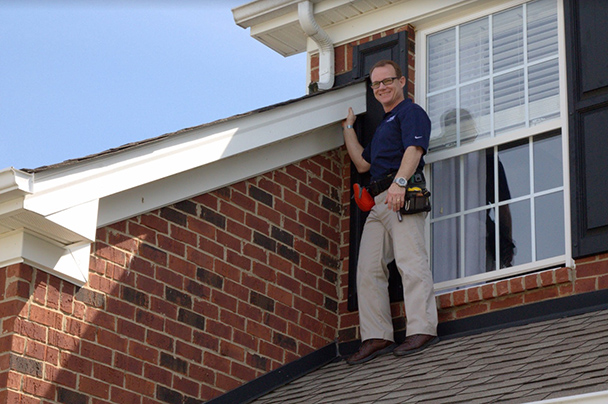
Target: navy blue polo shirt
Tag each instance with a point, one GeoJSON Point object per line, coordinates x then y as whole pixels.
{"type": "Point", "coordinates": [405, 125]}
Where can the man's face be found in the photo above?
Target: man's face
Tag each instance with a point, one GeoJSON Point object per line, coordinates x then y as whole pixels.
{"type": "Point", "coordinates": [391, 95]}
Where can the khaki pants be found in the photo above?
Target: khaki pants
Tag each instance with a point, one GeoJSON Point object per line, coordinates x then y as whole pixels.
{"type": "Point", "coordinates": [384, 238]}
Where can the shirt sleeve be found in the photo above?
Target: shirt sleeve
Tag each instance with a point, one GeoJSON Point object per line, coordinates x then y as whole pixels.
{"type": "Point", "coordinates": [367, 153]}
{"type": "Point", "coordinates": [416, 128]}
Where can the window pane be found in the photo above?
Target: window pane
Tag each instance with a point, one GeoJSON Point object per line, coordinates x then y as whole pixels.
{"type": "Point", "coordinates": [476, 243]}
{"type": "Point", "coordinates": [445, 249]}
{"type": "Point", "coordinates": [542, 29]}
{"type": "Point", "coordinates": [475, 112]}
{"type": "Point", "coordinates": [445, 187]}
{"type": "Point", "coordinates": [515, 230]}
{"type": "Point", "coordinates": [475, 180]}
{"type": "Point", "coordinates": [509, 101]}
{"type": "Point", "coordinates": [549, 213]}
{"type": "Point", "coordinates": [474, 49]}
{"type": "Point", "coordinates": [514, 181]}
{"type": "Point", "coordinates": [543, 83]}
{"type": "Point", "coordinates": [442, 60]}
{"type": "Point", "coordinates": [547, 163]}
{"type": "Point", "coordinates": [508, 39]}
{"type": "Point", "coordinates": [443, 128]}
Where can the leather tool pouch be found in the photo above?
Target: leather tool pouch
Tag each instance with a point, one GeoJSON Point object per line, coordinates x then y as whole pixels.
{"type": "Point", "coordinates": [416, 200]}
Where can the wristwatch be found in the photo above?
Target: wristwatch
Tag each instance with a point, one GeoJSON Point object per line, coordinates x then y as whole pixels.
{"type": "Point", "coordinates": [402, 182]}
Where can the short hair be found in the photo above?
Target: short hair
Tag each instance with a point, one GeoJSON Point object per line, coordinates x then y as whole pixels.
{"type": "Point", "coordinates": [385, 62]}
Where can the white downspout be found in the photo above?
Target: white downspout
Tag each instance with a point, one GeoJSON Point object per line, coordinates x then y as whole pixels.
{"type": "Point", "coordinates": [323, 41]}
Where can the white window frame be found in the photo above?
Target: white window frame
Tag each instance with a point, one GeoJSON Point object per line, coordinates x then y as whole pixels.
{"type": "Point", "coordinates": [433, 25]}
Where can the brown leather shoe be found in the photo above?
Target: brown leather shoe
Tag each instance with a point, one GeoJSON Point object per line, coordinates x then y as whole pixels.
{"type": "Point", "coordinates": [370, 349]}
{"type": "Point", "coordinates": [415, 343]}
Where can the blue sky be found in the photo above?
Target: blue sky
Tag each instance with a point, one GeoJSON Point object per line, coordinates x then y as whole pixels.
{"type": "Point", "coordinates": [78, 77]}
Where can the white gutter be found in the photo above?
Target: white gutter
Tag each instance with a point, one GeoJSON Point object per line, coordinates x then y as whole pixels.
{"type": "Point", "coordinates": [323, 41]}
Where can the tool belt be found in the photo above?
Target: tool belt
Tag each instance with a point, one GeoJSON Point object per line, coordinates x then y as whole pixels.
{"type": "Point", "coordinates": [417, 197]}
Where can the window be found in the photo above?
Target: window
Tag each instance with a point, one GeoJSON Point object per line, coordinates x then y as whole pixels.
{"type": "Point", "coordinates": [495, 159]}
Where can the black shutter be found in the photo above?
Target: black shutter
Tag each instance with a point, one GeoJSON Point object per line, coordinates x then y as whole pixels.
{"type": "Point", "coordinates": [587, 64]}
{"type": "Point", "coordinates": [393, 47]}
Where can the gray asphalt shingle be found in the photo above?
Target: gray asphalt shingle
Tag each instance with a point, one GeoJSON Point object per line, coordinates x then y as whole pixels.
{"type": "Point", "coordinates": [538, 361]}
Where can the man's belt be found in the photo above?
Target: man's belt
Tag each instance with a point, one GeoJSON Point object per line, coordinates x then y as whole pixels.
{"type": "Point", "coordinates": [381, 185]}
{"type": "Point", "coordinates": [377, 187]}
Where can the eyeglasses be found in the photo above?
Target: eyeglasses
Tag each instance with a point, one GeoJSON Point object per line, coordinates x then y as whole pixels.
{"type": "Point", "coordinates": [386, 82]}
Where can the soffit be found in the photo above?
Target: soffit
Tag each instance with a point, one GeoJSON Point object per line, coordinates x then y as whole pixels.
{"type": "Point", "coordinates": [276, 24]}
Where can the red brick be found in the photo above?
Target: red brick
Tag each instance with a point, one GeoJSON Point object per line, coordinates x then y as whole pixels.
{"type": "Point", "coordinates": [143, 352]}
{"type": "Point", "coordinates": [75, 363]}
{"type": "Point", "coordinates": [237, 229]}
{"type": "Point", "coordinates": [108, 374]}
{"type": "Point", "coordinates": [444, 301]}
{"type": "Point", "coordinates": [60, 376]}
{"type": "Point", "coordinates": [459, 297]}
{"type": "Point", "coordinates": [209, 200]}
{"type": "Point", "coordinates": [183, 235]}
{"type": "Point", "coordinates": [112, 340]}
{"type": "Point", "coordinates": [592, 269]}
{"type": "Point", "coordinates": [226, 383]}
{"type": "Point", "coordinates": [516, 285]}
{"type": "Point", "coordinates": [259, 330]}
{"type": "Point", "coordinates": [110, 253]}
{"type": "Point", "coordinates": [562, 275]}
{"type": "Point", "coordinates": [128, 363]}
{"type": "Point", "coordinates": [216, 362]}
{"type": "Point", "coordinates": [186, 386]}
{"type": "Point", "coordinates": [201, 227]}
{"type": "Point", "coordinates": [232, 320]}
{"type": "Point", "coordinates": [138, 385]}
{"type": "Point", "coordinates": [270, 214]}
{"type": "Point", "coordinates": [294, 199]}
{"type": "Point", "coordinates": [487, 291]}
{"type": "Point", "coordinates": [122, 242]}
{"type": "Point", "coordinates": [531, 281]}
{"type": "Point", "coordinates": [160, 340]}
{"type": "Point", "coordinates": [541, 294]}
{"type": "Point", "coordinates": [157, 374]}
{"type": "Point", "coordinates": [585, 285]}
{"type": "Point", "coordinates": [231, 350]}
{"type": "Point", "coordinates": [96, 352]}
{"type": "Point", "coordinates": [472, 310]}
{"type": "Point", "coordinates": [101, 318]}
{"type": "Point", "coordinates": [245, 339]}
{"type": "Point", "coordinates": [547, 278]}
{"type": "Point", "coordinates": [154, 222]}
{"type": "Point", "coordinates": [255, 252]}
{"type": "Point", "coordinates": [63, 341]}
{"type": "Point", "coordinates": [511, 301]}
{"type": "Point", "coordinates": [119, 395]}
{"type": "Point", "coordinates": [182, 266]}
{"type": "Point", "coordinates": [602, 282]}
{"type": "Point", "coordinates": [212, 247]}
{"type": "Point", "coordinates": [38, 388]}
{"type": "Point", "coordinates": [250, 312]}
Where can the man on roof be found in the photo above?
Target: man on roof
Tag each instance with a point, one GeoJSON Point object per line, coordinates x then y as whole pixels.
{"type": "Point", "coordinates": [394, 159]}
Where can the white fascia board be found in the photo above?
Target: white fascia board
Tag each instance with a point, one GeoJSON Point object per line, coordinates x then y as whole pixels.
{"type": "Point", "coordinates": [63, 188]}
{"type": "Point", "coordinates": [218, 174]}
{"type": "Point", "coordinates": [259, 11]}
{"type": "Point", "coordinates": [22, 246]}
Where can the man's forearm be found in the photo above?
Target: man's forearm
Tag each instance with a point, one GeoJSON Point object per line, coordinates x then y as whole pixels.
{"type": "Point", "coordinates": [355, 150]}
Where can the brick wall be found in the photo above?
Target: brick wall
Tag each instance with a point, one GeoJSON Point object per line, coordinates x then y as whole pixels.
{"type": "Point", "coordinates": [185, 302]}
